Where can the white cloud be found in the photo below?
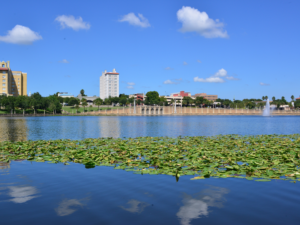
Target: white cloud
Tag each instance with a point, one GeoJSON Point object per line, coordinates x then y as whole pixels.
{"type": "Point", "coordinates": [65, 209]}
{"type": "Point", "coordinates": [64, 61]}
{"type": "Point", "coordinates": [199, 61]}
{"type": "Point", "coordinates": [218, 77]}
{"type": "Point", "coordinates": [21, 35]}
{"type": "Point", "coordinates": [195, 21]}
{"type": "Point", "coordinates": [22, 194]}
{"type": "Point", "coordinates": [130, 87]}
{"type": "Point", "coordinates": [185, 63]}
{"type": "Point", "coordinates": [209, 80]}
{"type": "Point", "coordinates": [194, 208]}
{"type": "Point", "coordinates": [72, 22]}
{"type": "Point", "coordinates": [135, 206]}
{"type": "Point", "coordinates": [169, 82]}
{"type": "Point", "coordinates": [263, 84]}
{"type": "Point", "coordinates": [139, 20]}
{"type": "Point", "coordinates": [168, 68]}
{"type": "Point", "coordinates": [130, 83]}
{"type": "Point", "coordinates": [232, 78]}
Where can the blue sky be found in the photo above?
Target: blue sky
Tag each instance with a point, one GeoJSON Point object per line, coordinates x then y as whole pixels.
{"type": "Point", "coordinates": [238, 49]}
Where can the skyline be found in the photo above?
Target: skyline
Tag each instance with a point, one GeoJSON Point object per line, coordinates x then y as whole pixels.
{"type": "Point", "coordinates": [232, 49]}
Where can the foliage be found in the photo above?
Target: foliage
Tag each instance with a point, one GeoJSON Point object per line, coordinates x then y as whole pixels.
{"type": "Point", "coordinates": [82, 92]}
{"type": "Point", "coordinates": [98, 102]}
{"type": "Point", "coordinates": [152, 98]}
{"type": "Point", "coordinates": [264, 156]}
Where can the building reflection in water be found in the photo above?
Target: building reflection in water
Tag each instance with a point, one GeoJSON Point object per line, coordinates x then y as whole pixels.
{"type": "Point", "coordinates": [196, 207]}
{"type": "Point", "coordinates": [109, 127]}
{"type": "Point", "coordinates": [14, 129]}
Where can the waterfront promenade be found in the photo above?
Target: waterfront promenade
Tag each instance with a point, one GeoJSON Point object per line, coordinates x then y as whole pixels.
{"type": "Point", "coordinates": [167, 110]}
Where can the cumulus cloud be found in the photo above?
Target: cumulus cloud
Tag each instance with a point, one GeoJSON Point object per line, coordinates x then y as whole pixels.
{"type": "Point", "coordinates": [64, 61]}
{"type": "Point", "coordinates": [173, 81]}
{"type": "Point", "coordinates": [169, 82]}
{"type": "Point", "coordinates": [22, 194]}
{"type": "Point", "coordinates": [218, 77]}
{"type": "Point", "coordinates": [21, 35]}
{"type": "Point", "coordinates": [135, 206]}
{"type": "Point", "coordinates": [72, 22]}
{"type": "Point", "coordinates": [209, 80]}
{"type": "Point", "coordinates": [197, 207]}
{"type": "Point", "coordinates": [65, 209]}
{"type": "Point", "coordinates": [199, 61]}
{"type": "Point", "coordinates": [195, 21]}
{"type": "Point", "coordinates": [168, 68]}
{"type": "Point", "coordinates": [263, 84]}
{"type": "Point", "coordinates": [130, 87]}
{"type": "Point", "coordinates": [139, 20]}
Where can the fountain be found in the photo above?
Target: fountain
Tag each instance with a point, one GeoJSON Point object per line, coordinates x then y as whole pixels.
{"type": "Point", "coordinates": [267, 111]}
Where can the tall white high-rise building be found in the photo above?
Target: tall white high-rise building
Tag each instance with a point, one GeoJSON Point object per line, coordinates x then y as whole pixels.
{"type": "Point", "coordinates": [109, 84]}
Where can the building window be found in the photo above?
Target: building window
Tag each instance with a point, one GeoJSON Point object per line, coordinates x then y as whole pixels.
{"type": "Point", "coordinates": [3, 65]}
{"type": "Point", "coordinates": [3, 80]}
{"type": "Point", "coordinates": [13, 89]}
{"type": "Point", "coordinates": [3, 72]}
{"type": "Point", "coordinates": [3, 84]}
{"type": "Point", "coordinates": [3, 89]}
{"type": "Point", "coordinates": [13, 92]}
{"type": "Point", "coordinates": [3, 76]}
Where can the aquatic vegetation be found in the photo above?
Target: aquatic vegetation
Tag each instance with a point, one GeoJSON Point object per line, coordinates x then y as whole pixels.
{"type": "Point", "coordinates": [261, 157]}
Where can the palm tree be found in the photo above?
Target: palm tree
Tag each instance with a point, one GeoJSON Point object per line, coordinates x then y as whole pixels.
{"type": "Point", "coordinates": [98, 102]}
{"type": "Point", "coordinates": [273, 98]}
{"type": "Point", "coordinates": [263, 97]}
{"type": "Point", "coordinates": [76, 107]}
{"type": "Point", "coordinates": [172, 101]}
{"type": "Point", "coordinates": [83, 103]}
{"type": "Point", "coordinates": [292, 97]}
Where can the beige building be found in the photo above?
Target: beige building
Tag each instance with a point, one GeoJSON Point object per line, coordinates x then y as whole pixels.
{"type": "Point", "coordinates": [205, 96]}
{"type": "Point", "coordinates": [109, 84]}
{"type": "Point", "coordinates": [13, 83]}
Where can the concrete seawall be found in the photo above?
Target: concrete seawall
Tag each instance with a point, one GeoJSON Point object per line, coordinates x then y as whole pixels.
{"type": "Point", "coordinates": [167, 111]}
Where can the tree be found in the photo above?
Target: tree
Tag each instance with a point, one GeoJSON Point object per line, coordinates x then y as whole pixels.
{"type": "Point", "coordinates": [84, 103]}
{"type": "Point", "coordinates": [82, 92]}
{"type": "Point", "coordinates": [98, 102]}
{"type": "Point", "coordinates": [263, 97]}
{"type": "Point", "coordinates": [123, 100]}
{"type": "Point", "coordinates": [77, 107]}
{"type": "Point", "coordinates": [199, 100]}
{"type": "Point", "coordinates": [22, 102]}
{"type": "Point", "coordinates": [123, 95]}
{"type": "Point", "coordinates": [273, 98]}
{"type": "Point", "coordinates": [152, 98]}
{"type": "Point", "coordinates": [292, 97]}
{"type": "Point", "coordinates": [73, 101]}
{"type": "Point", "coordinates": [36, 101]}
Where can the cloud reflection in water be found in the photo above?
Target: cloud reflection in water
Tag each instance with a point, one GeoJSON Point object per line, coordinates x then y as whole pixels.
{"type": "Point", "coordinates": [64, 208]}
{"type": "Point", "coordinates": [22, 194]}
{"type": "Point", "coordinates": [135, 206]}
{"type": "Point", "coordinates": [194, 208]}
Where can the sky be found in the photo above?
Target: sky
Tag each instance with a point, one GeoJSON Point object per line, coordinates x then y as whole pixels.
{"type": "Point", "coordinates": [234, 49]}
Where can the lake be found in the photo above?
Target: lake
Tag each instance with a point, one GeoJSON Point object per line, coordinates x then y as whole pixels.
{"type": "Point", "coordinates": [42, 193]}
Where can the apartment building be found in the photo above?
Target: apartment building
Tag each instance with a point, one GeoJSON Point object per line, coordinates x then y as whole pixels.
{"type": "Point", "coordinates": [109, 84]}
{"type": "Point", "coordinates": [205, 96]}
{"type": "Point", "coordinates": [13, 83]}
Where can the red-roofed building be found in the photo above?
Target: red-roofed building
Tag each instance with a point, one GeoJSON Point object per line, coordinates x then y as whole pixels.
{"type": "Point", "coordinates": [181, 94]}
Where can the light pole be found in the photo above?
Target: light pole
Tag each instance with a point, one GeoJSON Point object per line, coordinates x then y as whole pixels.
{"type": "Point", "coordinates": [175, 107]}
{"type": "Point", "coordinates": [134, 110]}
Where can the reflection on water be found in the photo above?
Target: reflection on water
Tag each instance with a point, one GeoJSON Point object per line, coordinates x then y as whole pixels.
{"type": "Point", "coordinates": [13, 129]}
{"type": "Point", "coordinates": [197, 207]}
{"type": "Point", "coordinates": [135, 206]}
{"type": "Point", "coordinates": [79, 127]}
{"type": "Point", "coordinates": [5, 166]}
{"type": "Point", "coordinates": [68, 206]}
{"type": "Point", "coordinates": [22, 194]}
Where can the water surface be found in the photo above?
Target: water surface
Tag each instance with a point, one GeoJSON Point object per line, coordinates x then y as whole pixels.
{"type": "Point", "coordinates": [42, 193]}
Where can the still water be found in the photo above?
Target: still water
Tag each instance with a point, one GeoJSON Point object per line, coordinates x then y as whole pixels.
{"type": "Point", "coordinates": [42, 193]}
